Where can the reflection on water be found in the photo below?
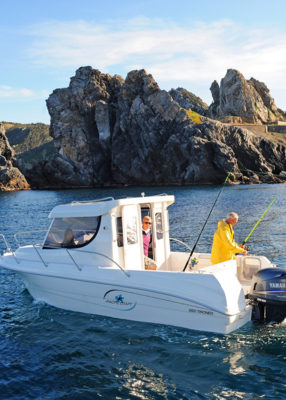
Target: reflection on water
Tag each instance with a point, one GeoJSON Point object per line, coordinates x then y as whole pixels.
{"type": "Point", "coordinates": [235, 361]}
{"type": "Point", "coordinates": [142, 382]}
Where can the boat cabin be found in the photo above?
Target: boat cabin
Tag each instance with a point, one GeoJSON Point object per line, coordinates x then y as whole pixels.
{"type": "Point", "coordinates": [112, 229]}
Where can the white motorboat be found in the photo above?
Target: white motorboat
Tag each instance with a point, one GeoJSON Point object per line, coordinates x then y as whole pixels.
{"type": "Point", "coordinates": [99, 268]}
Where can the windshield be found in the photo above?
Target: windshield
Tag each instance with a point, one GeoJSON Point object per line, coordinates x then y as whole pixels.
{"type": "Point", "coordinates": [72, 232]}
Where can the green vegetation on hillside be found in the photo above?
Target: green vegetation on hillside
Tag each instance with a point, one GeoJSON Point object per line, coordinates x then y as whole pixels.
{"type": "Point", "coordinates": [27, 159]}
{"type": "Point", "coordinates": [25, 137]}
{"type": "Point", "coordinates": [194, 116]}
{"type": "Point", "coordinates": [31, 142]}
{"type": "Point", "coordinates": [193, 98]}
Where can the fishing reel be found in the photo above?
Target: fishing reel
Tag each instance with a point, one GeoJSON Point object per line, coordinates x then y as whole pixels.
{"type": "Point", "coordinates": [194, 261]}
{"type": "Point", "coordinates": [244, 247]}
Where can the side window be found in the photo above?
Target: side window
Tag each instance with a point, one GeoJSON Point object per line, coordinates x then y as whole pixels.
{"type": "Point", "coordinates": [159, 226]}
{"type": "Point", "coordinates": [145, 211]}
{"type": "Point", "coordinates": [119, 232]}
{"type": "Point", "coordinates": [72, 232]}
{"type": "Point", "coordinates": [132, 230]}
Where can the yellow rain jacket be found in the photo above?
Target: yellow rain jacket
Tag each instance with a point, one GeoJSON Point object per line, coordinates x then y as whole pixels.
{"type": "Point", "coordinates": [224, 247]}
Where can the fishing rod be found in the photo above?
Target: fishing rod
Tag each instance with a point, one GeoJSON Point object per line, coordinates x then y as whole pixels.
{"type": "Point", "coordinates": [193, 249]}
{"type": "Point", "coordinates": [252, 230]}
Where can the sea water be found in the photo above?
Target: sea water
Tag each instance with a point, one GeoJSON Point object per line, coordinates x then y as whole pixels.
{"type": "Point", "coordinates": [52, 354]}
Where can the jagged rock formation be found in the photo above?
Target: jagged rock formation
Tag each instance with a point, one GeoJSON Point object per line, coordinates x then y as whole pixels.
{"type": "Point", "coordinates": [111, 131]}
{"type": "Point", "coordinates": [83, 119]}
{"type": "Point", "coordinates": [10, 177]}
{"type": "Point", "coordinates": [249, 100]}
{"type": "Point", "coordinates": [189, 101]}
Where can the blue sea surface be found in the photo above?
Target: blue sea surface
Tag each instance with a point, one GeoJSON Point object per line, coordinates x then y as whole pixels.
{"type": "Point", "coordinates": [52, 354]}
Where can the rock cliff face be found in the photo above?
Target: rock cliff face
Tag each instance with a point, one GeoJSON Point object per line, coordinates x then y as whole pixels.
{"type": "Point", "coordinates": [82, 121]}
{"type": "Point", "coordinates": [111, 131]}
{"type": "Point", "coordinates": [10, 177]}
{"type": "Point", "coordinates": [249, 100]}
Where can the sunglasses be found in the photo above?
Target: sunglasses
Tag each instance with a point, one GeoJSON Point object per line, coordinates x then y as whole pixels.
{"type": "Point", "coordinates": [147, 223]}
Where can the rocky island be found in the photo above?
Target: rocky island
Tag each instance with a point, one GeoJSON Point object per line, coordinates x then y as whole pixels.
{"type": "Point", "coordinates": [108, 131]}
{"type": "Point", "coordinates": [10, 176]}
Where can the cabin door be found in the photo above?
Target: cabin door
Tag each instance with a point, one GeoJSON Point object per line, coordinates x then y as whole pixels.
{"type": "Point", "coordinates": [132, 244]}
{"type": "Point", "coordinates": [158, 234]}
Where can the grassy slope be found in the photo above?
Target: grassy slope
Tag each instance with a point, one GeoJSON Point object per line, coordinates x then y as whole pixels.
{"type": "Point", "coordinates": [25, 137]}
{"type": "Point", "coordinates": [31, 142]}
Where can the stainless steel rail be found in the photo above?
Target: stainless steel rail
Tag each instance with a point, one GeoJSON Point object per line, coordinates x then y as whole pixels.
{"type": "Point", "coordinates": [6, 242]}
{"type": "Point", "coordinates": [179, 241]}
{"type": "Point", "coordinates": [45, 264]}
{"type": "Point", "coordinates": [67, 250]}
{"type": "Point", "coordinates": [8, 248]}
{"type": "Point", "coordinates": [25, 232]}
{"type": "Point", "coordinates": [76, 264]}
{"type": "Point", "coordinates": [73, 259]}
{"type": "Point", "coordinates": [108, 258]}
{"type": "Point", "coordinates": [93, 201]}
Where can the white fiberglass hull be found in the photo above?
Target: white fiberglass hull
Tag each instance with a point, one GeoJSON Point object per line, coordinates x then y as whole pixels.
{"type": "Point", "coordinates": [131, 303]}
{"type": "Point", "coordinates": [188, 300]}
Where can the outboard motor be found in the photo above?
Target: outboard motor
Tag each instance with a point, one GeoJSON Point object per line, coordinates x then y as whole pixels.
{"type": "Point", "coordinates": [268, 295]}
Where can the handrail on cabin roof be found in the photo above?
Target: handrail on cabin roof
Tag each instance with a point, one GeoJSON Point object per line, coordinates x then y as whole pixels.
{"type": "Point", "coordinates": [93, 201]}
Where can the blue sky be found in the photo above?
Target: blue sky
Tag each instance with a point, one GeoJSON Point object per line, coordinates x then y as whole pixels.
{"type": "Point", "coordinates": [181, 43]}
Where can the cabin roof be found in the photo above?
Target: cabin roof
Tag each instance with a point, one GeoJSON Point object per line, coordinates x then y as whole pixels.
{"type": "Point", "coordinates": [94, 208]}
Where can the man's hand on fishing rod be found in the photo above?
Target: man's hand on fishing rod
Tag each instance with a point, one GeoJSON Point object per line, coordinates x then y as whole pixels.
{"type": "Point", "coordinates": [246, 248]}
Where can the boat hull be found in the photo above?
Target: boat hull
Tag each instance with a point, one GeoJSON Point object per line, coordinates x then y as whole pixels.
{"type": "Point", "coordinates": [131, 303]}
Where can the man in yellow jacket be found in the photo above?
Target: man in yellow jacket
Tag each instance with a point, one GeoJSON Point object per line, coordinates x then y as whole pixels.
{"type": "Point", "coordinates": [224, 247]}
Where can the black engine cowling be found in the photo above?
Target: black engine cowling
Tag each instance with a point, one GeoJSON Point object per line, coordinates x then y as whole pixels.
{"type": "Point", "coordinates": [268, 295]}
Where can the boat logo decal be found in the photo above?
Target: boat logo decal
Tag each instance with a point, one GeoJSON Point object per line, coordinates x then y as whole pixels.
{"type": "Point", "coordinates": [277, 285]}
{"type": "Point", "coordinates": [203, 312]}
{"type": "Point", "coordinates": [119, 299]}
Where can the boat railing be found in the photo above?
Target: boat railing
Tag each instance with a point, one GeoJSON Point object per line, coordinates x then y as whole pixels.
{"type": "Point", "coordinates": [45, 263]}
{"type": "Point", "coordinates": [75, 263]}
{"type": "Point", "coordinates": [183, 243]}
{"type": "Point", "coordinates": [108, 258]}
{"type": "Point", "coordinates": [93, 201]}
{"type": "Point", "coordinates": [25, 233]}
{"type": "Point", "coordinates": [37, 251]}
{"type": "Point", "coordinates": [73, 259]}
{"type": "Point", "coordinates": [8, 247]}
